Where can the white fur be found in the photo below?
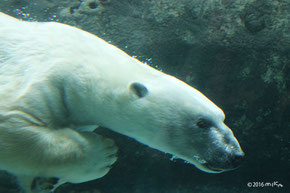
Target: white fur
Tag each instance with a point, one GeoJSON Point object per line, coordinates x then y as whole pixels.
{"type": "Point", "coordinates": [57, 82]}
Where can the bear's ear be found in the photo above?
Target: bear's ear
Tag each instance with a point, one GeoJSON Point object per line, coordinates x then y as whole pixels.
{"type": "Point", "coordinates": [138, 89]}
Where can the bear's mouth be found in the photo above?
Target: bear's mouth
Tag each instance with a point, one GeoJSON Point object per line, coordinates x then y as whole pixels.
{"type": "Point", "coordinates": [212, 169]}
{"type": "Point", "coordinates": [207, 167]}
{"type": "Point", "coordinates": [203, 165]}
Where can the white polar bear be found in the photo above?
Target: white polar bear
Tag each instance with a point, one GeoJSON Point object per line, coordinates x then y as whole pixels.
{"type": "Point", "coordinates": [58, 83]}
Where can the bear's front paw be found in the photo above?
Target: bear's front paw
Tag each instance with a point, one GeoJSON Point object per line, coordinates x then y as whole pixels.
{"type": "Point", "coordinates": [100, 155]}
{"type": "Point", "coordinates": [105, 154]}
{"type": "Point", "coordinates": [43, 185]}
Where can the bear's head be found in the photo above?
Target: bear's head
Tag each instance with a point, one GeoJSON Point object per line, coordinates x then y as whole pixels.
{"type": "Point", "coordinates": [171, 116]}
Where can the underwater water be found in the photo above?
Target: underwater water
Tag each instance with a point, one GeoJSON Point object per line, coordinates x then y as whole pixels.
{"type": "Point", "coordinates": [235, 52]}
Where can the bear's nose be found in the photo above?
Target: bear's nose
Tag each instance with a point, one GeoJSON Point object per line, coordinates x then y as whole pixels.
{"type": "Point", "coordinates": [238, 159]}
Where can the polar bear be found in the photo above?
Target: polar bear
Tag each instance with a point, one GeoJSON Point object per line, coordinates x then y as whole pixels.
{"type": "Point", "coordinates": [58, 83]}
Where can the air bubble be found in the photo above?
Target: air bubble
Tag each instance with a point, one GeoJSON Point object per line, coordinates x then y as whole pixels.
{"type": "Point", "coordinates": [173, 158]}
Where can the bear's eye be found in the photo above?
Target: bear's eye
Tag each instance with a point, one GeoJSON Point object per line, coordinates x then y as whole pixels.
{"type": "Point", "coordinates": [203, 123]}
{"type": "Point", "coordinates": [139, 89]}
